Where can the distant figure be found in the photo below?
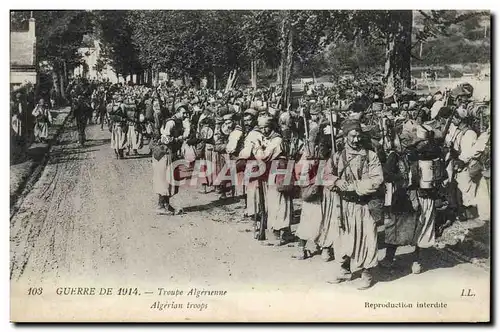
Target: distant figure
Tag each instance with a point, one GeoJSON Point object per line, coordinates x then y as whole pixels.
{"type": "Point", "coordinates": [43, 119]}
{"type": "Point", "coordinates": [17, 115]}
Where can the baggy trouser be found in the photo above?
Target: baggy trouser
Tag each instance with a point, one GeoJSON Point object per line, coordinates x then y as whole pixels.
{"type": "Point", "coordinates": [118, 138]}
{"type": "Point", "coordinates": [81, 123]}
{"type": "Point", "coordinates": [134, 137]}
{"type": "Point", "coordinates": [164, 185]}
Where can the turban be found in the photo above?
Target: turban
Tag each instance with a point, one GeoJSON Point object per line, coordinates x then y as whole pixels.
{"type": "Point", "coordinates": [423, 132]}
{"type": "Point", "coordinates": [436, 107]}
{"type": "Point", "coordinates": [438, 96]}
{"type": "Point", "coordinates": [351, 124]}
{"type": "Point", "coordinates": [251, 112]}
{"type": "Point", "coordinates": [273, 111]}
{"type": "Point", "coordinates": [180, 105]}
{"type": "Point", "coordinates": [265, 121]}
{"type": "Point", "coordinates": [285, 119]}
{"type": "Point", "coordinates": [408, 134]}
{"type": "Point", "coordinates": [462, 112]}
{"type": "Point", "coordinates": [227, 117]}
{"type": "Point", "coordinates": [315, 110]}
{"type": "Point", "coordinates": [261, 108]}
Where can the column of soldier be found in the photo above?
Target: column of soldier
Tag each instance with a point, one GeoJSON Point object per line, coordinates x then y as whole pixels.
{"type": "Point", "coordinates": [414, 164]}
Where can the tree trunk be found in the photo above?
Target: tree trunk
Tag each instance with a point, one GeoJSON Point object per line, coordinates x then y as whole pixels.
{"type": "Point", "coordinates": [230, 80]}
{"type": "Point", "coordinates": [215, 81]}
{"type": "Point", "coordinates": [397, 73]}
{"type": "Point", "coordinates": [286, 61]}
{"type": "Point", "coordinates": [150, 76]}
{"type": "Point", "coordinates": [279, 79]}
{"type": "Point", "coordinates": [61, 83]}
{"type": "Point", "coordinates": [185, 80]}
{"type": "Point", "coordinates": [65, 77]}
{"type": "Point", "coordinates": [253, 69]}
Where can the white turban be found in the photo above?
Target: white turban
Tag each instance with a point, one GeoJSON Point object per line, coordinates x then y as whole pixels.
{"type": "Point", "coordinates": [436, 107]}
{"type": "Point", "coordinates": [264, 121]}
{"type": "Point", "coordinates": [462, 111]}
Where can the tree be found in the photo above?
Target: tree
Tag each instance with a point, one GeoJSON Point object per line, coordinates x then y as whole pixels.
{"type": "Point", "coordinates": [59, 36]}
{"type": "Point", "coordinates": [115, 31]}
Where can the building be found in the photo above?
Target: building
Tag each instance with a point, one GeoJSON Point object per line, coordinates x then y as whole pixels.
{"type": "Point", "coordinates": [23, 56]}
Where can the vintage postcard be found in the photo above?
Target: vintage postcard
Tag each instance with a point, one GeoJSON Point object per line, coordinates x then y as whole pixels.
{"type": "Point", "coordinates": [250, 165]}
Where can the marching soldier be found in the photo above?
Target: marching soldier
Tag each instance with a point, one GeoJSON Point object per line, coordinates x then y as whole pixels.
{"type": "Point", "coordinates": [413, 190]}
{"type": "Point", "coordinates": [118, 119]}
{"type": "Point", "coordinates": [43, 119]}
{"type": "Point", "coordinates": [279, 204]}
{"type": "Point", "coordinates": [166, 148]}
{"type": "Point", "coordinates": [222, 133]}
{"type": "Point", "coordinates": [253, 138]}
{"type": "Point", "coordinates": [357, 176]}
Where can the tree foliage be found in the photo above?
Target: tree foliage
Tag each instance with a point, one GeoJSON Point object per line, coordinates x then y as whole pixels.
{"type": "Point", "coordinates": [59, 34]}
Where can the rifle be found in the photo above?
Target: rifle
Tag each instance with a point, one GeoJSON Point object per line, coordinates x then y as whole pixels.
{"type": "Point", "coordinates": [261, 225]}
{"type": "Point", "coordinates": [336, 196]}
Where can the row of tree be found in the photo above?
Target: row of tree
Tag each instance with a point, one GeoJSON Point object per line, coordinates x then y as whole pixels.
{"type": "Point", "coordinates": [223, 44]}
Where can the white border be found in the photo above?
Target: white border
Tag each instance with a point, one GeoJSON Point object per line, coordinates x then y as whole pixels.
{"type": "Point", "coordinates": [185, 4]}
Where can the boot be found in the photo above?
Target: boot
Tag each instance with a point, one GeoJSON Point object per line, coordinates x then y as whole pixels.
{"type": "Point", "coordinates": [326, 254]}
{"type": "Point", "coordinates": [388, 260]}
{"type": "Point", "coordinates": [286, 236]}
{"type": "Point", "coordinates": [344, 273]}
{"type": "Point", "coordinates": [171, 210]}
{"type": "Point", "coordinates": [366, 280]}
{"type": "Point", "coordinates": [301, 251]}
{"type": "Point", "coordinates": [160, 208]}
{"type": "Point", "coordinates": [416, 267]}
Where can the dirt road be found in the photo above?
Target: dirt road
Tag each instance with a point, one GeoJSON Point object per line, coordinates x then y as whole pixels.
{"type": "Point", "coordinates": [90, 217]}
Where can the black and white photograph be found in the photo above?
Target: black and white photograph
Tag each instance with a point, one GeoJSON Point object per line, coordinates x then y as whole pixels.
{"type": "Point", "coordinates": [250, 165]}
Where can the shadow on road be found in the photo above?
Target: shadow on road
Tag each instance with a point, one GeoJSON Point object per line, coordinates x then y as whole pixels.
{"type": "Point", "coordinates": [69, 156]}
{"type": "Point", "coordinates": [88, 143]}
{"type": "Point", "coordinates": [137, 156]}
{"type": "Point", "coordinates": [432, 259]}
{"type": "Point", "coordinates": [214, 204]}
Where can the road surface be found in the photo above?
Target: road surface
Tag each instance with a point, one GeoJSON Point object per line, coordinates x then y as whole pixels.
{"type": "Point", "coordinates": [90, 219]}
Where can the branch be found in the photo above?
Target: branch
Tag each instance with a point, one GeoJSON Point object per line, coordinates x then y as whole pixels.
{"type": "Point", "coordinates": [415, 57]}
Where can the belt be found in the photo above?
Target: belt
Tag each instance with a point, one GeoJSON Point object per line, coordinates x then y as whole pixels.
{"type": "Point", "coordinates": [355, 198]}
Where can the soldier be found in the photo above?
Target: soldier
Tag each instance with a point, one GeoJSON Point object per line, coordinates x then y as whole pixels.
{"type": "Point", "coordinates": [279, 204]}
{"type": "Point", "coordinates": [357, 176]}
{"type": "Point", "coordinates": [412, 215]}
{"type": "Point", "coordinates": [43, 119]}
{"type": "Point", "coordinates": [134, 133]}
{"type": "Point", "coordinates": [253, 138]}
{"type": "Point", "coordinates": [118, 119]}
{"type": "Point", "coordinates": [165, 148]}
{"type": "Point", "coordinates": [226, 127]}
{"type": "Point", "coordinates": [316, 211]}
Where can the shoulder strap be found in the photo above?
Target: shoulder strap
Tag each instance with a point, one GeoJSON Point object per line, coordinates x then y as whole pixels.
{"type": "Point", "coordinates": [364, 158]}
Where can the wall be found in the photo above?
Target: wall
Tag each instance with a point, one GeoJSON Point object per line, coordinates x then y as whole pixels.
{"type": "Point", "coordinates": [22, 77]}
